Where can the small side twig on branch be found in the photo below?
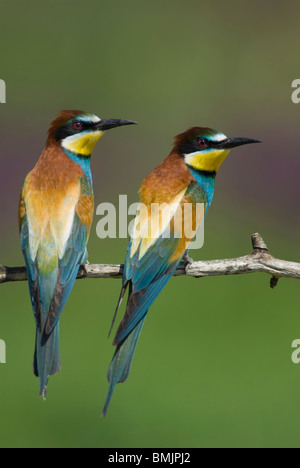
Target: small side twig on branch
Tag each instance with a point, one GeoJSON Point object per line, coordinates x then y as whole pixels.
{"type": "Point", "coordinates": [259, 260]}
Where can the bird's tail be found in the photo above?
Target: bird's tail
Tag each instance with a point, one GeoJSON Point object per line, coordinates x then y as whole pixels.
{"type": "Point", "coordinates": [46, 357]}
{"type": "Point", "coordinates": [120, 365]}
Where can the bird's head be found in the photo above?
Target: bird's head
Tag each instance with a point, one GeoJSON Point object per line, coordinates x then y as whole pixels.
{"type": "Point", "coordinates": [204, 149]}
{"type": "Point", "coordinates": [78, 132]}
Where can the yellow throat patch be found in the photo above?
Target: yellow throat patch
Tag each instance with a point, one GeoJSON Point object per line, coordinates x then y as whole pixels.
{"type": "Point", "coordinates": [83, 143]}
{"type": "Point", "coordinates": [207, 160]}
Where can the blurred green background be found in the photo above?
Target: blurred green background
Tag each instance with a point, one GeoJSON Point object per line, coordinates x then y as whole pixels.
{"type": "Point", "coordinates": [213, 367]}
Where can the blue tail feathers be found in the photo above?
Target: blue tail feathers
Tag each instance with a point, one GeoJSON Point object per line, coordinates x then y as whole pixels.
{"type": "Point", "coordinates": [120, 365]}
{"type": "Point", "coordinates": [46, 357]}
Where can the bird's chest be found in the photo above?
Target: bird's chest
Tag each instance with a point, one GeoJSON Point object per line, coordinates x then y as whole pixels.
{"type": "Point", "coordinates": [50, 213]}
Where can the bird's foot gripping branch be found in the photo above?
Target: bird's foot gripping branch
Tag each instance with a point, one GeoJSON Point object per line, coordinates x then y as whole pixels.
{"type": "Point", "coordinates": [258, 261]}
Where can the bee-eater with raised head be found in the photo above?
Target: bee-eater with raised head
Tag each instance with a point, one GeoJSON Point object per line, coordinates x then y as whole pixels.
{"type": "Point", "coordinates": [187, 175]}
{"type": "Point", "coordinates": [55, 217]}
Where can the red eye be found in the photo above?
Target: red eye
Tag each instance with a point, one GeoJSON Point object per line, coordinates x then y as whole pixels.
{"type": "Point", "coordinates": [202, 142]}
{"type": "Point", "coordinates": [77, 125]}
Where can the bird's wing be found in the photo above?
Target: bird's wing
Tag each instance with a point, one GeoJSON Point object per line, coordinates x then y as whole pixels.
{"type": "Point", "coordinates": [54, 249]}
{"type": "Point", "coordinates": [32, 271]}
{"type": "Point", "coordinates": [151, 261]}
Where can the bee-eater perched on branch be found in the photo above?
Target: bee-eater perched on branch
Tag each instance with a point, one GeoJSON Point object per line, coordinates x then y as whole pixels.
{"type": "Point", "coordinates": [187, 175]}
{"type": "Point", "coordinates": [55, 217]}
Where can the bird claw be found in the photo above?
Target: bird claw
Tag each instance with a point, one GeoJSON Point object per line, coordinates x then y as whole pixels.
{"type": "Point", "coordinates": [187, 259]}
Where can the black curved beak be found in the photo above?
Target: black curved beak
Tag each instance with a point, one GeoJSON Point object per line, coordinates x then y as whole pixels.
{"type": "Point", "coordinates": [233, 142]}
{"type": "Point", "coordinates": [107, 124]}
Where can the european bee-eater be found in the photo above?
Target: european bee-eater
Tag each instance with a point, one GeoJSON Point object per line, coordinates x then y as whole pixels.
{"type": "Point", "coordinates": [187, 175]}
{"type": "Point", "coordinates": [55, 217]}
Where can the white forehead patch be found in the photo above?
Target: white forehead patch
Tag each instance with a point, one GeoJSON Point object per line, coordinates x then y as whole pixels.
{"type": "Point", "coordinates": [90, 118]}
{"type": "Point", "coordinates": [218, 137]}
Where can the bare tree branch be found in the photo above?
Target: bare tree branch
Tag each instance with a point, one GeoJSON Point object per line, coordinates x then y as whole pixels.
{"type": "Point", "coordinates": [259, 260]}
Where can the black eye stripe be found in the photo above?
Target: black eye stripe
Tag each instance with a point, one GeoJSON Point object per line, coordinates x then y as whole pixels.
{"type": "Point", "coordinates": [69, 129]}
{"type": "Point", "coordinates": [83, 125]}
{"type": "Point", "coordinates": [194, 145]}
